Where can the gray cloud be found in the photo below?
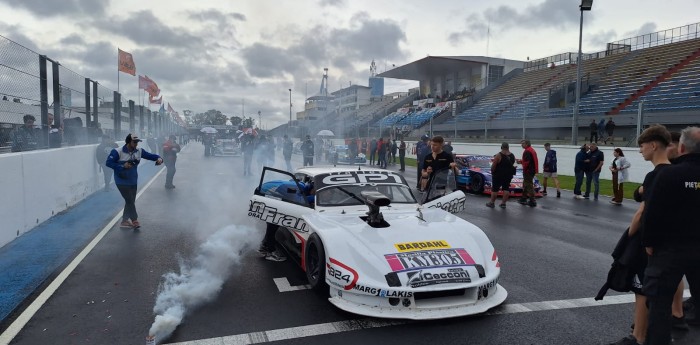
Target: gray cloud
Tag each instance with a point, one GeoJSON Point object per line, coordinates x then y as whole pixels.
{"type": "Point", "coordinates": [72, 39]}
{"type": "Point", "coordinates": [600, 39]}
{"type": "Point", "coordinates": [645, 29]}
{"type": "Point", "coordinates": [61, 7]}
{"type": "Point", "coordinates": [337, 49]}
{"type": "Point", "coordinates": [332, 3]}
{"type": "Point", "coordinates": [558, 14]}
{"type": "Point", "coordinates": [144, 28]}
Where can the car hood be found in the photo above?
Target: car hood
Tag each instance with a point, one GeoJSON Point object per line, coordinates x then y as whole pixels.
{"type": "Point", "coordinates": [408, 242]}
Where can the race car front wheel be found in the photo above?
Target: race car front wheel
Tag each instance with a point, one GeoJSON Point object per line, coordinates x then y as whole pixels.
{"type": "Point", "coordinates": [315, 264]}
{"type": "Point", "coordinates": [477, 183]}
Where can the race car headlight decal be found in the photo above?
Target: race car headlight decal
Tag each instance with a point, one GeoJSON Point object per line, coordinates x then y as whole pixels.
{"type": "Point", "coordinates": [494, 257]}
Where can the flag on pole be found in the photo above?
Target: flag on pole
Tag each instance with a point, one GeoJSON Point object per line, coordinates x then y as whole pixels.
{"type": "Point", "coordinates": [162, 108]}
{"type": "Point", "coordinates": [126, 63]}
{"type": "Point", "coordinates": [148, 85]}
{"type": "Point", "coordinates": [158, 100]}
{"type": "Point", "coordinates": [170, 109]}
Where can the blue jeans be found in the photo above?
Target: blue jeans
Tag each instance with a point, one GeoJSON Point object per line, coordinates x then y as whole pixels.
{"type": "Point", "coordinates": [579, 182]}
{"type": "Point", "coordinates": [595, 176]}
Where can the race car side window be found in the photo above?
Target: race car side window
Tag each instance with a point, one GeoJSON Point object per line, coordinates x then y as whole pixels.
{"type": "Point", "coordinates": [441, 183]}
{"type": "Point", "coordinates": [282, 185]}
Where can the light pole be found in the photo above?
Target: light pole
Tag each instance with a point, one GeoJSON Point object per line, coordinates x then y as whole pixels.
{"type": "Point", "coordinates": [259, 120]}
{"type": "Point", "coordinates": [586, 5]}
{"type": "Point", "coordinates": [290, 111]}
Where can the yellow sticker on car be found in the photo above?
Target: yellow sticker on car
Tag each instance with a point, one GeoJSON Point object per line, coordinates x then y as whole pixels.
{"type": "Point", "coordinates": [422, 245]}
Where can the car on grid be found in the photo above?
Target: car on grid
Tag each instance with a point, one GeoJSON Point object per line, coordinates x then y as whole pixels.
{"type": "Point", "coordinates": [475, 176]}
{"type": "Point", "coordinates": [367, 243]}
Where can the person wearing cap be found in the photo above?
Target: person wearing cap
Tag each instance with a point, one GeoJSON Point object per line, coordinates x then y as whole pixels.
{"type": "Point", "coordinates": [101, 152]}
{"type": "Point", "coordinates": [307, 150]}
{"type": "Point", "coordinates": [287, 149]}
{"type": "Point", "coordinates": [24, 138]}
{"type": "Point", "coordinates": [170, 150]}
{"type": "Point", "coordinates": [124, 161]}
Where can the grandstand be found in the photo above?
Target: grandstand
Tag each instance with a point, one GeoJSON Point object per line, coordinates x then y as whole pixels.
{"type": "Point", "coordinates": [659, 69]}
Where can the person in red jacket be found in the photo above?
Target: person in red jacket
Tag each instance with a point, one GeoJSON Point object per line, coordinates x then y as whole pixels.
{"type": "Point", "coordinates": [530, 168]}
{"type": "Point", "coordinates": [170, 150]}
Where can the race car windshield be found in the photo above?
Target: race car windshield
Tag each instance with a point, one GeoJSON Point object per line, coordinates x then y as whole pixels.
{"type": "Point", "coordinates": [347, 195]}
{"type": "Point", "coordinates": [483, 164]}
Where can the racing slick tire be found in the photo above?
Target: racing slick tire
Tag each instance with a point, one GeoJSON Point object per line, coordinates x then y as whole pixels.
{"type": "Point", "coordinates": [315, 264]}
{"type": "Point", "coordinates": [477, 184]}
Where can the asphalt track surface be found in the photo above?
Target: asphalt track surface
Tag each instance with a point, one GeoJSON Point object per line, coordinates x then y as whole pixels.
{"type": "Point", "coordinates": [554, 259]}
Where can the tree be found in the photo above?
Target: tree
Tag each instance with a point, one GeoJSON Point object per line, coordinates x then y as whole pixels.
{"type": "Point", "coordinates": [210, 117]}
{"type": "Point", "coordinates": [235, 120]}
{"type": "Point", "coordinates": [248, 122]}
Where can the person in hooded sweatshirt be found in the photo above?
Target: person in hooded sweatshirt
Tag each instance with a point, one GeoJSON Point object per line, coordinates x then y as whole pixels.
{"type": "Point", "coordinates": [124, 161]}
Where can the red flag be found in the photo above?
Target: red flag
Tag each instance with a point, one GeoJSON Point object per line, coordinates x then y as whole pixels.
{"type": "Point", "coordinates": [144, 83]}
{"type": "Point", "coordinates": [152, 87]}
{"type": "Point", "coordinates": [152, 100]}
{"type": "Point", "coordinates": [126, 63]}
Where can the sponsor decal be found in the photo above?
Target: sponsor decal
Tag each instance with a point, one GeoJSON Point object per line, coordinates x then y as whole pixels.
{"type": "Point", "coordinates": [411, 261]}
{"type": "Point", "coordinates": [381, 292]}
{"type": "Point", "coordinates": [361, 177]}
{"type": "Point", "coordinates": [271, 215]}
{"type": "Point", "coordinates": [486, 288]}
{"type": "Point", "coordinates": [340, 275]}
{"type": "Point", "coordinates": [413, 246]}
{"type": "Point", "coordinates": [452, 206]}
{"type": "Point", "coordinates": [433, 277]}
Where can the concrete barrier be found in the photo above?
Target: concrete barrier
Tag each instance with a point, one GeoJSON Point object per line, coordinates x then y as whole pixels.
{"type": "Point", "coordinates": [36, 185]}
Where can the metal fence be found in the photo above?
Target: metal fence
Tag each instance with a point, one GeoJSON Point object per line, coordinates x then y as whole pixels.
{"type": "Point", "coordinates": [68, 108]}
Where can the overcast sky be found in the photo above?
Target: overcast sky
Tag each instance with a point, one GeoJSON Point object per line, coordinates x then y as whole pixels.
{"type": "Point", "coordinates": [214, 54]}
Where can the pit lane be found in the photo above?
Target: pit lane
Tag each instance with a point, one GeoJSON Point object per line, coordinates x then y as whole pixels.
{"type": "Point", "coordinates": [554, 259]}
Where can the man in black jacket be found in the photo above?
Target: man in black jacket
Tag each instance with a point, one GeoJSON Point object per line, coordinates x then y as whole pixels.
{"type": "Point", "coordinates": [671, 235]}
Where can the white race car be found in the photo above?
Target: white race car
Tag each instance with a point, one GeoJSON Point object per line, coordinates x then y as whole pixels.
{"type": "Point", "coordinates": [363, 239]}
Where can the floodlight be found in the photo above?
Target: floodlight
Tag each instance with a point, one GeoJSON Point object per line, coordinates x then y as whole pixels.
{"type": "Point", "coordinates": [586, 5]}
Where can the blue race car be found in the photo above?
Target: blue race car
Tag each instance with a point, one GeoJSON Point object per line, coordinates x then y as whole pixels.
{"type": "Point", "coordinates": [475, 176]}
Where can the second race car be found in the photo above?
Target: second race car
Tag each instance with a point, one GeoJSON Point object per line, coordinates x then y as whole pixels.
{"type": "Point", "coordinates": [475, 176]}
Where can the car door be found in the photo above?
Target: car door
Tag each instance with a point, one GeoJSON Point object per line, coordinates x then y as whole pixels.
{"type": "Point", "coordinates": [281, 199]}
{"type": "Point", "coordinates": [442, 193]}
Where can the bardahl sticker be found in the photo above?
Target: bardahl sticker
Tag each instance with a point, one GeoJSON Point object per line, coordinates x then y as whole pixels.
{"type": "Point", "coordinates": [421, 245]}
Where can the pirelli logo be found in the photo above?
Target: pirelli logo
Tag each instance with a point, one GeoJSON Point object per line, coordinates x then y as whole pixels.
{"type": "Point", "coordinates": [412, 246]}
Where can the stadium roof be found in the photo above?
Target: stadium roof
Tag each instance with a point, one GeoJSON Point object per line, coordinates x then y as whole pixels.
{"type": "Point", "coordinates": [431, 66]}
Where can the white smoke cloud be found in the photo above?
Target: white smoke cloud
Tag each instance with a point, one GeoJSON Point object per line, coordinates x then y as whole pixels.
{"type": "Point", "coordinates": [200, 280]}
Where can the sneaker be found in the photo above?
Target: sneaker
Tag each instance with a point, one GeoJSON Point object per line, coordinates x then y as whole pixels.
{"type": "Point", "coordinates": [558, 194]}
{"type": "Point", "coordinates": [136, 224]}
{"type": "Point", "coordinates": [263, 251]}
{"type": "Point", "coordinates": [679, 323]}
{"type": "Point", "coordinates": [532, 203]}
{"type": "Point", "coordinates": [522, 201]}
{"type": "Point", "coordinates": [628, 340]}
{"type": "Point", "coordinates": [586, 197]}
{"type": "Point", "coordinates": [544, 192]}
{"type": "Point", "coordinates": [502, 205]}
{"type": "Point", "coordinates": [276, 256]}
{"type": "Point", "coordinates": [126, 224]}
{"type": "Point", "coordinates": [490, 204]}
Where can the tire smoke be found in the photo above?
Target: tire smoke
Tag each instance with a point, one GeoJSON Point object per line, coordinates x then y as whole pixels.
{"type": "Point", "coordinates": [201, 279]}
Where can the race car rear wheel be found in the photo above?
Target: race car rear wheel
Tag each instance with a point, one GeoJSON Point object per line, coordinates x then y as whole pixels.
{"type": "Point", "coordinates": [477, 183]}
{"type": "Point", "coordinates": [315, 264]}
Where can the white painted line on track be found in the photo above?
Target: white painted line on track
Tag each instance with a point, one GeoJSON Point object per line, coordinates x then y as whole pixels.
{"type": "Point", "coordinates": [283, 285]}
{"type": "Point", "coordinates": [355, 325]}
{"type": "Point", "coordinates": [28, 313]}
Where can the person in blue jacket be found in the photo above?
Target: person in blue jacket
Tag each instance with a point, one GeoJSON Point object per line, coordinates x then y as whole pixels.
{"type": "Point", "coordinates": [124, 162]}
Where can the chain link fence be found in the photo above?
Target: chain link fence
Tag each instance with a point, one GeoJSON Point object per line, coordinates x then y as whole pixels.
{"type": "Point", "coordinates": [19, 88]}
{"type": "Point", "coordinates": [67, 108]}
